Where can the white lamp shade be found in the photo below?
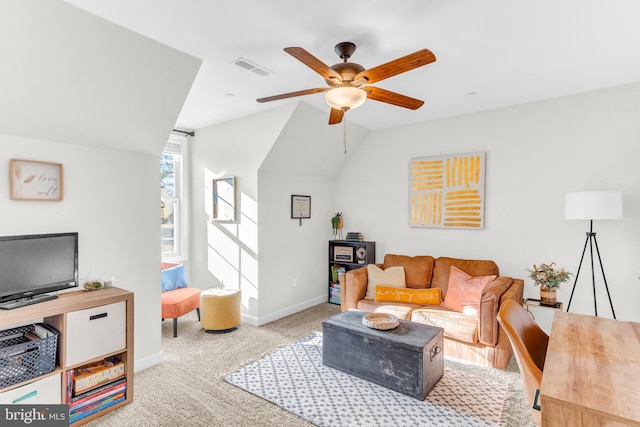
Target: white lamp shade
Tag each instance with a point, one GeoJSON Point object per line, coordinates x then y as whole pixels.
{"type": "Point", "coordinates": [345, 97]}
{"type": "Point", "coordinates": [593, 205]}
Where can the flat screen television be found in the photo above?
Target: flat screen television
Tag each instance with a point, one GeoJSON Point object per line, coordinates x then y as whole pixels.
{"type": "Point", "coordinates": [32, 266]}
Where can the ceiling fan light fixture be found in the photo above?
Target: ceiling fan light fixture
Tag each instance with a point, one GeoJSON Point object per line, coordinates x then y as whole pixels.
{"type": "Point", "coordinates": [345, 97]}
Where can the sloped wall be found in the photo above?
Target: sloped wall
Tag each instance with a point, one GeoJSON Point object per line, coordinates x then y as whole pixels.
{"type": "Point", "coordinates": [304, 160]}
{"type": "Point", "coordinates": [72, 77]}
{"type": "Point", "coordinates": [278, 265]}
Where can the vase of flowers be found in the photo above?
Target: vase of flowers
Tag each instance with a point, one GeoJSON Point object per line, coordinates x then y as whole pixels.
{"type": "Point", "coordinates": [549, 278]}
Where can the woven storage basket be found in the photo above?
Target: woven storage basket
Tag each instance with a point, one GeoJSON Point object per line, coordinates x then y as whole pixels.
{"type": "Point", "coordinates": [382, 321]}
{"type": "Point", "coordinates": [22, 359]}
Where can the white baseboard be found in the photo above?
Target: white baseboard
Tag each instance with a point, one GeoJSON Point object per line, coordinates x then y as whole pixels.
{"type": "Point", "coordinates": [263, 320]}
{"type": "Point", "coordinates": [148, 362]}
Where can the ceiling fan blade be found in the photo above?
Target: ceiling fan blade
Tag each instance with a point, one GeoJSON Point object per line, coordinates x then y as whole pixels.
{"type": "Point", "coordinates": [397, 66]}
{"type": "Point", "coordinates": [394, 98]}
{"type": "Point", "coordinates": [335, 116]}
{"type": "Point", "coordinates": [312, 62]}
{"type": "Point", "coordinates": [293, 94]}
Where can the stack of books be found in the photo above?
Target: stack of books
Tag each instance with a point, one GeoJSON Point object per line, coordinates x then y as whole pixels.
{"type": "Point", "coordinates": [334, 285]}
{"type": "Point", "coordinates": [354, 236]}
{"type": "Point", "coordinates": [92, 388]}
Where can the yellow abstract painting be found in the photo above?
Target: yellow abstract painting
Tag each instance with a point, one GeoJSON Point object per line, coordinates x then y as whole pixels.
{"type": "Point", "coordinates": [447, 191]}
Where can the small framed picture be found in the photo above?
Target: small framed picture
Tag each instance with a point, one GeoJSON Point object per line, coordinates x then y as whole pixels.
{"type": "Point", "coordinates": [300, 207]}
{"type": "Point", "coordinates": [343, 254]}
{"type": "Point", "coordinates": [34, 180]}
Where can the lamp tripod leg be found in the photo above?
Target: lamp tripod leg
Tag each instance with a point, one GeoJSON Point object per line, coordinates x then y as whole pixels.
{"type": "Point", "coordinates": [578, 272]}
{"type": "Point", "coordinates": [603, 277]}
{"type": "Point", "coordinates": [593, 274]}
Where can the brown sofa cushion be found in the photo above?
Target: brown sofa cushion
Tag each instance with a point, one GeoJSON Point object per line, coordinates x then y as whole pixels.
{"type": "Point", "coordinates": [455, 325]}
{"type": "Point", "coordinates": [417, 269]}
{"type": "Point", "coordinates": [400, 310]}
{"type": "Point", "coordinates": [442, 268]}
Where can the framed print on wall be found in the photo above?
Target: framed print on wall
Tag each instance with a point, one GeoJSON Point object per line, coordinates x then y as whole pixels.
{"type": "Point", "coordinates": [300, 207]}
{"type": "Point", "coordinates": [34, 180]}
{"type": "Point", "coordinates": [447, 191]}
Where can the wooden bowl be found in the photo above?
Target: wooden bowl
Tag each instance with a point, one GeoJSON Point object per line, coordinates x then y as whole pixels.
{"type": "Point", "coordinates": [382, 321]}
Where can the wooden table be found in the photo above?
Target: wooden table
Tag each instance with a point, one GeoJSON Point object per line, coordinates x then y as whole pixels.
{"type": "Point", "coordinates": [591, 373]}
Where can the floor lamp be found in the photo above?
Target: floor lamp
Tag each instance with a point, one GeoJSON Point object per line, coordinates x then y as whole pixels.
{"type": "Point", "coordinates": [592, 205]}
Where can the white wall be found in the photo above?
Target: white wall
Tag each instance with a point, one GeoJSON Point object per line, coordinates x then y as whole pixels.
{"type": "Point", "coordinates": [535, 154]}
{"type": "Point", "coordinates": [111, 199]}
{"type": "Point", "coordinates": [284, 151]}
{"type": "Point", "coordinates": [306, 156]}
{"type": "Point", "coordinates": [226, 253]}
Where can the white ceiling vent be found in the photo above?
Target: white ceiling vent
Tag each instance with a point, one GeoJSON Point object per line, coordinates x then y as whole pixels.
{"type": "Point", "coordinates": [251, 66]}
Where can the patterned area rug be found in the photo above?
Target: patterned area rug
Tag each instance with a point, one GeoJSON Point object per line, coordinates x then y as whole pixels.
{"type": "Point", "coordinates": [295, 379]}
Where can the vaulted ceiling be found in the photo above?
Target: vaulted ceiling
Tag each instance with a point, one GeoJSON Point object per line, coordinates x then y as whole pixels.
{"type": "Point", "coordinates": [490, 54]}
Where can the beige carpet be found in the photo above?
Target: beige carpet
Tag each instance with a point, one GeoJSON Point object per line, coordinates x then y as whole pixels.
{"type": "Point", "coordinates": [188, 389]}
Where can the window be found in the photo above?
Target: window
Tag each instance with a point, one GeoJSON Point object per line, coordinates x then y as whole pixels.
{"type": "Point", "coordinates": [173, 199]}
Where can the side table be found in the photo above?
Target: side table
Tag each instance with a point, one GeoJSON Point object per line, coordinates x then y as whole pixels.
{"type": "Point", "coordinates": [532, 302]}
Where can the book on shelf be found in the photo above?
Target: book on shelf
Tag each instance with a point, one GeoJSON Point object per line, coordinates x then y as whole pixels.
{"type": "Point", "coordinates": [354, 236]}
{"type": "Point", "coordinates": [97, 400]}
{"type": "Point", "coordinates": [334, 273]}
{"type": "Point", "coordinates": [97, 374]}
{"type": "Point", "coordinates": [99, 391]}
{"type": "Point", "coordinates": [77, 416]}
{"type": "Point", "coordinates": [334, 300]}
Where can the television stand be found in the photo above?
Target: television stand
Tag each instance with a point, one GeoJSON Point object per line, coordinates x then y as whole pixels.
{"type": "Point", "coordinates": [23, 302]}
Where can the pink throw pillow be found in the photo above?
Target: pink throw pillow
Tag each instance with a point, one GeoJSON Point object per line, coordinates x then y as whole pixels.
{"type": "Point", "coordinates": [464, 291]}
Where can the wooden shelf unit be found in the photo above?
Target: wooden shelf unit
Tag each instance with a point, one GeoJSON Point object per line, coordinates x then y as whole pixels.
{"type": "Point", "coordinates": [348, 255]}
{"type": "Point", "coordinates": [55, 313]}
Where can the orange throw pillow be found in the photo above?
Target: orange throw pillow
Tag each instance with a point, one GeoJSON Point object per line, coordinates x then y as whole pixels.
{"type": "Point", "coordinates": [464, 291]}
{"type": "Point", "coordinates": [415, 296]}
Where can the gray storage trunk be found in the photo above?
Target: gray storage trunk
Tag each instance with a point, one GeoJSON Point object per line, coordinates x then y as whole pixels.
{"type": "Point", "coordinates": [408, 359]}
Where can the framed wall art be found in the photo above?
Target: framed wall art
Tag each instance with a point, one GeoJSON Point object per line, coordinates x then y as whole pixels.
{"type": "Point", "coordinates": [35, 180]}
{"type": "Point", "coordinates": [343, 253]}
{"type": "Point", "coordinates": [447, 191]}
{"type": "Point", "coordinates": [300, 207]}
{"type": "Point", "coordinates": [224, 199]}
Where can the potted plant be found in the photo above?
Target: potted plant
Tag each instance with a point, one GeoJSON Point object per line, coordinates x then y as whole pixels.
{"type": "Point", "coordinates": [336, 223]}
{"type": "Point", "coordinates": [549, 278]}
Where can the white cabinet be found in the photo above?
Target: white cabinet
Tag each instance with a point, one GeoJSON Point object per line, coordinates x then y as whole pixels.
{"type": "Point", "coordinates": [96, 331]}
{"type": "Point", "coordinates": [47, 390]}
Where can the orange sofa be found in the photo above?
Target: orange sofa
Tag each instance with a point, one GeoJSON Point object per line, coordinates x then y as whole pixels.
{"type": "Point", "coordinates": [476, 337]}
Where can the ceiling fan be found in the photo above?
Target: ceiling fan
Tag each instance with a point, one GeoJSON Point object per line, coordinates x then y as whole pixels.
{"type": "Point", "coordinates": [347, 80]}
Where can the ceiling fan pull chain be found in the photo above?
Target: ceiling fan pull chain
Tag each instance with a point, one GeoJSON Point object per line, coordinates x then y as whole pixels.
{"type": "Point", "coordinates": [344, 133]}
